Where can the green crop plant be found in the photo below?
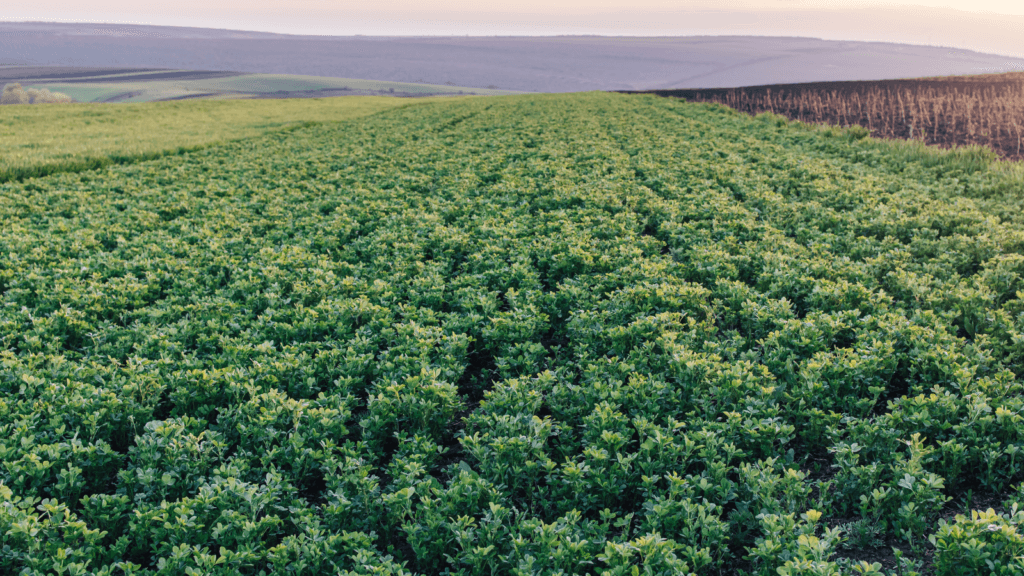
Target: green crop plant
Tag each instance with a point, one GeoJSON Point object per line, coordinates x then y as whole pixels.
{"type": "Point", "coordinates": [986, 542]}
{"type": "Point", "coordinates": [40, 140]}
{"type": "Point", "coordinates": [557, 334]}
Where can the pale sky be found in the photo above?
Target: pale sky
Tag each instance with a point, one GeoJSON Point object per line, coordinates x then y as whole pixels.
{"type": "Point", "coordinates": [995, 26]}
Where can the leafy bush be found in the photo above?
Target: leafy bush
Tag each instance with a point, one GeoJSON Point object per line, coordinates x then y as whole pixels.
{"type": "Point", "coordinates": [15, 94]}
{"type": "Point", "coordinates": [986, 542]}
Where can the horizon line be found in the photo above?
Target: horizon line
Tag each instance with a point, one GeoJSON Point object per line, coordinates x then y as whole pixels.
{"type": "Point", "coordinates": [538, 35]}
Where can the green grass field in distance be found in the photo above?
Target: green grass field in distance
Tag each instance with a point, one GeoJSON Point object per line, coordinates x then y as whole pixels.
{"type": "Point", "coordinates": [264, 83]}
{"type": "Point", "coordinates": [135, 87]}
{"type": "Point", "coordinates": [547, 334]}
{"type": "Point", "coordinates": [37, 140]}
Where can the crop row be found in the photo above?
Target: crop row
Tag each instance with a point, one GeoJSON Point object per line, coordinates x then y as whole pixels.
{"type": "Point", "coordinates": [565, 334]}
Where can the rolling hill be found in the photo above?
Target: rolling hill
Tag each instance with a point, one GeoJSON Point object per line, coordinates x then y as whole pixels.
{"type": "Point", "coordinates": [149, 84]}
{"type": "Point", "coordinates": [532, 64]}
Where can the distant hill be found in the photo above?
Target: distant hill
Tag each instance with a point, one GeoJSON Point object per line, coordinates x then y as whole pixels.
{"type": "Point", "coordinates": [151, 84]}
{"type": "Point", "coordinates": [538, 64]}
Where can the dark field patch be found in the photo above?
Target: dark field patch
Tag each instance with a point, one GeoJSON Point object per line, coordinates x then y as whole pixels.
{"type": "Point", "coordinates": [986, 110]}
{"type": "Point", "coordinates": [862, 87]}
{"type": "Point", "coordinates": [122, 96]}
{"type": "Point", "coordinates": [173, 75]}
{"type": "Point", "coordinates": [64, 74]}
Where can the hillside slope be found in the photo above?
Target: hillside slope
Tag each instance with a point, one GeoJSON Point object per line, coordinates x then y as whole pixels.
{"type": "Point", "coordinates": [594, 334]}
{"type": "Point", "coordinates": [86, 84]}
{"type": "Point", "coordinates": [40, 140]}
{"type": "Point", "coordinates": [532, 64]}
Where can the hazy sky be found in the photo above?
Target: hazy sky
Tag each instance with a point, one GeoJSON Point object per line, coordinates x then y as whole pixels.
{"type": "Point", "coordinates": [985, 25]}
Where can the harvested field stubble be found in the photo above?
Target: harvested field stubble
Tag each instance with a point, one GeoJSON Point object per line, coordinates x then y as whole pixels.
{"type": "Point", "coordinates": [985, 110]}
